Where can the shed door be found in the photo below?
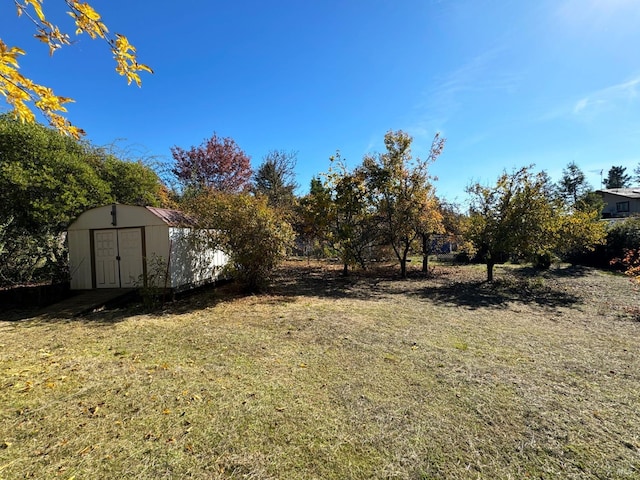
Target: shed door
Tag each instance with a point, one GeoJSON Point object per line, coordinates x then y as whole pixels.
{"type": "Point", "coordinates": [106, 254]}
{"type": "Point", "coordinates": [130, 248]}
{"type": "Point", "coordinates": [118, 257]}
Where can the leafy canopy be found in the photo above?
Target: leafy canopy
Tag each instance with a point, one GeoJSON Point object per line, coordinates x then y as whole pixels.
{"type": "Point", "coordinates": [217, 164]}
{"type": "Point", "coordinates": [20, 91]}
{"type": "Point", "coordinates": [343, 205]}
{"type": "Point", "coordinates": [518, 218]}
{"type": "Point", "coordinates": [402, 193]}
{"type": "Point", "coordinates": [246, 228]}
{"type": "Point", "coordinates": [46, 180]}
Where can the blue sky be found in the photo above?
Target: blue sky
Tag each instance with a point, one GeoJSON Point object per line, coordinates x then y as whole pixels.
{"type": "Point", "coordinates": [508, 83]}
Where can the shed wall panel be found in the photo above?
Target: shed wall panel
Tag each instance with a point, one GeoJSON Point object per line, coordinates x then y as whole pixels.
{"type": "Point", "coordinates": [192, 262]}
{"type": "Point", "coordinates": [157, 249]}
{"type": "Point", "coordinates": [80, 259]}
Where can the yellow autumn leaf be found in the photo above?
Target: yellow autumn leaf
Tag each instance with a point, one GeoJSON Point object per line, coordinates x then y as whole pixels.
{"type": "Point", "coordinates": [19, 92]}
{"type": "Point", "coordinates": [143, 67]}
{"type": "Point", "coordinates": [36, 6]}
{"type": "Point", "coordinates": [86, 10]}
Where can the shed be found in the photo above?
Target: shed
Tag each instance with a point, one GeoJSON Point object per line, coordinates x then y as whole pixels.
{"type": "Point", "coordinates": [126, 246]}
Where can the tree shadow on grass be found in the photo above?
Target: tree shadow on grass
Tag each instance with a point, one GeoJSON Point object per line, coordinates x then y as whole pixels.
{"type": "Point", "coordinates": [476, 295]}
{"type": "Point", "coordinates": [524, 285]}
{"type": "Point", "coordinates": [444, 285]}
{"type": "Point", "coordinates": [558, 272]}
{"type": "Point", "coordinates": [319, 281]}
{"type": "Point", "coordinates": [110, 313]}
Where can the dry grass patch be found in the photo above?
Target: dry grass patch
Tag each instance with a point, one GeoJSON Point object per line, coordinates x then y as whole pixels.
{"type": "Point", "coordinates": [325, 377]}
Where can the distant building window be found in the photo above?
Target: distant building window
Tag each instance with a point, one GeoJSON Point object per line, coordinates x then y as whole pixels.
{"type": "Point", "coordinates": [622, 207]}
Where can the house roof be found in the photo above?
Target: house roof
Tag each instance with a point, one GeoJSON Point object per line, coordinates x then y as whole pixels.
{"type": "Point", "coordinates": [622, 192]}
{"type": "Point", "coordinates": [173, 218]}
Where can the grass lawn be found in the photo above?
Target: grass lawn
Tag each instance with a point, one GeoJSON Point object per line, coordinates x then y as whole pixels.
{"type": "Point", "coordinates": [537, 376]}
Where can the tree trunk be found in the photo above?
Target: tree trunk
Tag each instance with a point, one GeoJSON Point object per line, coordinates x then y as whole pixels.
{"type": "Point", "coordinates": [490, 266]}
{"type": "Point", "coordinates": [425, 253]}
{"type": "Point", "coordinates": [345, 270]}
{"type": "Point", "coordinates": [403, 267]}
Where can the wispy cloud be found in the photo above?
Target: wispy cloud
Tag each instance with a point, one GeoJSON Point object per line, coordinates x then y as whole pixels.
{"type": "Point", "coordinates": [596, 103]}
{"type": "Point", "coordinates": [478, 75]}
{"type": "Point", "coordinates": [608, 98]}
{"type": "Point", "coordinates": [597, 13]}
{"type": "Point", "coordinates": [457, 91]}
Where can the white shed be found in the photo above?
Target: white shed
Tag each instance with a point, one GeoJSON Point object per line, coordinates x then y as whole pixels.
{"type": "Point", "coordinates": [121, 246]}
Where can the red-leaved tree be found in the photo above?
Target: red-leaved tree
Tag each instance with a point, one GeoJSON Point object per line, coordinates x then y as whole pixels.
{"type": "Point", "coordinates": [217, 164]}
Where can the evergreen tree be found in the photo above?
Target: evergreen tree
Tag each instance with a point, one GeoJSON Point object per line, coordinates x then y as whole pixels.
{"type": "Point", "coordinates": [275, 179]}
{"type": "Point", "coordinates": [573, 185]}
{"type": "Point", "coordinates": [616, 178]}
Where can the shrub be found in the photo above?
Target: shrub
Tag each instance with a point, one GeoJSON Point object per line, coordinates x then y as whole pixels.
{"type": "Point", "coordinates": [254, 235]}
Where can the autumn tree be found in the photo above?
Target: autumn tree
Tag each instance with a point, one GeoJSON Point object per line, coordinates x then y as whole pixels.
{"type": "Point", "coordinates": [448, 231]}
{"type": "Point", "coordinates": [617, 178]}
{"type": "Point", "coordinates": [337, 215]}
{"type": "Point", "coordinates": [578, 212]}
{"type": "Point", "coordinates": [631, 263]}
{"type": "Point", "coordinates": [402, 194]}
{"type": "Point", "coordinates": [247, 229]}
{"type": "Point", "coordinates": [429, 224]}
{"type": "Point", "coordinates": [509, 218]}
{"type": "Point", "coordinates": [24, 95]}
{"type": "Point", "coordinates": [577, 232]}
{"type": "Point", "coordinates": [276, 179]}
{"type": "Point", "coordinates": [516, 218]}
{"type": "Point", "coordinates": [217, 164]}
{"type": "Point", "coordinates": [353, 225]}
{"type": "Point", "coordinates": [313, 217]}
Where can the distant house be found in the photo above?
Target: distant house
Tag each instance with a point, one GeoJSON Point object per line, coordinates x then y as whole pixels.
{"type": "Point", "coordinates": [620, 202]}
{"type": "Point", "coordinates": [124, 246]}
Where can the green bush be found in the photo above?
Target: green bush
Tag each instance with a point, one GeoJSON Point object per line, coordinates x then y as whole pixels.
{"type": "Point", "coordinates": [254, 235]}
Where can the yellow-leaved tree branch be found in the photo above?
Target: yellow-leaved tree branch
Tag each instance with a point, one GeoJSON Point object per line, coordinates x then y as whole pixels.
{"type": "Point", "coordinates": [22, 94]}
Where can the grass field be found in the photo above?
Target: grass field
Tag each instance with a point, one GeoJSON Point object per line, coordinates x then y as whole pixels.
{"type": "Point", "coordinates": [536, 376]}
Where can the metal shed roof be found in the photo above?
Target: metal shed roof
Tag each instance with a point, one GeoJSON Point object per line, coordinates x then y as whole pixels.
{"type": "Point", "coordinates": [173, 218]}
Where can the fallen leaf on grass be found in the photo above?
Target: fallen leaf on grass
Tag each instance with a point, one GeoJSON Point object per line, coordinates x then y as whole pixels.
{"type": "Point", "coordinates": [27, 386]}
{"type": "Point", "coordinates": [87, 449]}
